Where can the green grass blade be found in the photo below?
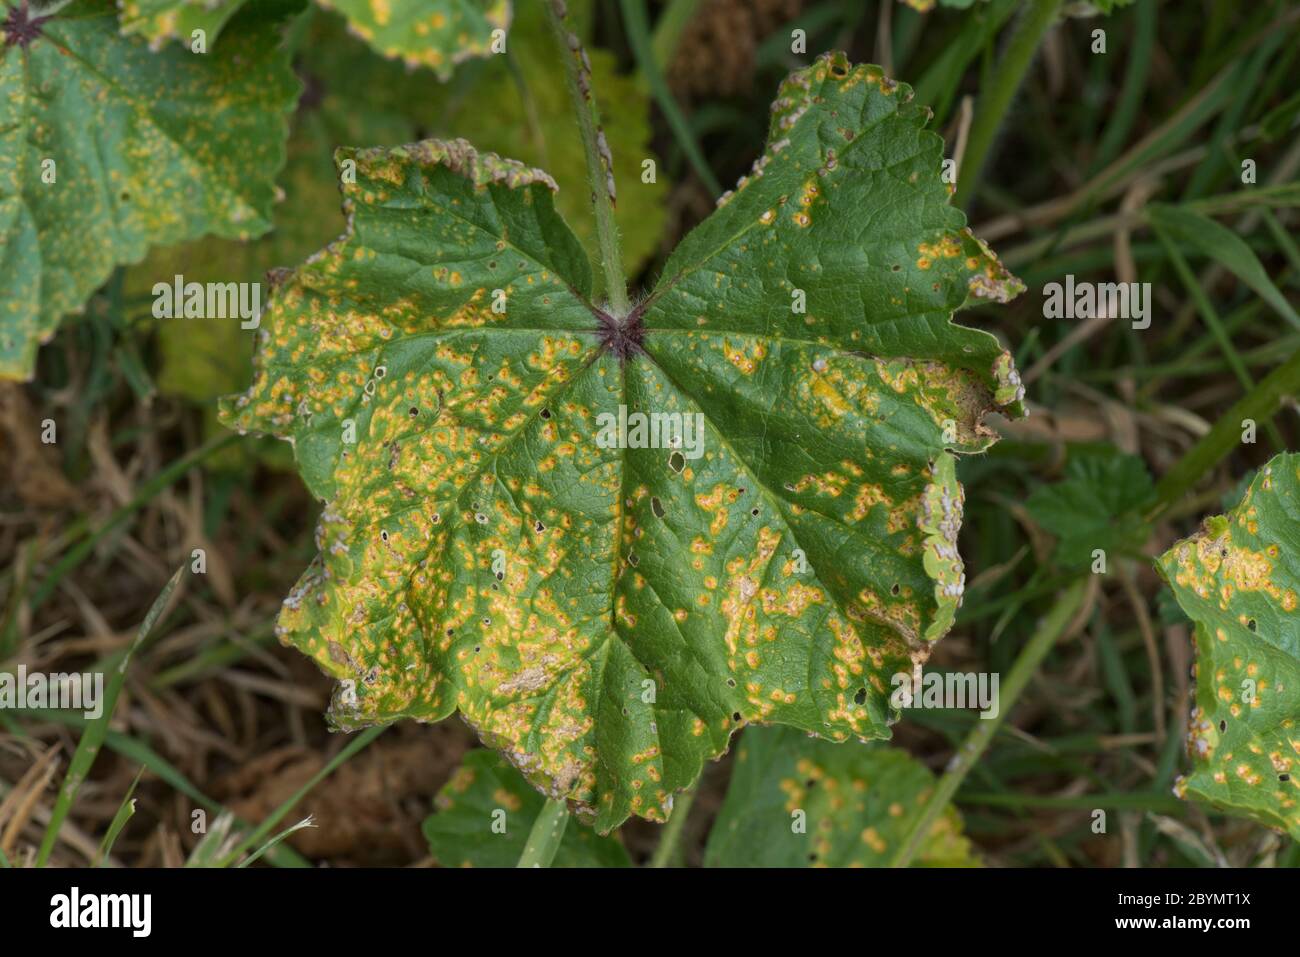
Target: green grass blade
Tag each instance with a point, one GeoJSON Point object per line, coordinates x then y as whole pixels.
{"type": "Point", "coordinates": [1221, 244]}
{"type": "Point", "coordinates": [275, 841]}
{"type": "Point", "coordinates": [939, 84]}
{"type": "Point", "coordinates": [1136, 76]}
{"type": "Point", "coordinates": [1260, 405]}
{"type": "Point", "coordinates": [637, 24]}
{"type": "Point", "coordinates": [995, 102]}
{"type": "Point", "coordinates": [92, 739]}
{"type": "Point", "coordinates": [124, 813]}
{"type": "Point", "coordinates": [138, 752]}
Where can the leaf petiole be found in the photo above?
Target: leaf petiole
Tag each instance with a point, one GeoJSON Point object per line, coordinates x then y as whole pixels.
{"type": "Point", "coordinates": [548, 830]}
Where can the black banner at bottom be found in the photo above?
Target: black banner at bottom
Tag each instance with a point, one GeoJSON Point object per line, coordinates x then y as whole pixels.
{"type": "Point", "coordinates": [306, 906]}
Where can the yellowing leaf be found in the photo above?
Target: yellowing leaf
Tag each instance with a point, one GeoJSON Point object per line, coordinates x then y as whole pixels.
{"type": "Point", "coordinates": [433, 33]}
{"type": "Point", "coordinates": [519, 525]}
{"type": "Point", "coordinates": [110, 148]}
{"type": "Point", "coordinates": [1238, 581]}
{"type": "Point", "coordinates": [437, 34]}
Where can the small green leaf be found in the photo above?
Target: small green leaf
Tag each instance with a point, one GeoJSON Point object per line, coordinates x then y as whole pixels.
{"type": "Point", "coordinates": [182, 145]}
{"type": "Point", "coordinates": [1238, 581]}
{"type": "Point", "coordinates": [1221, 244]}
{"type": "Point", "coordinates": [503, 537]}
{"type": "Point", "coordinates": [484, 813]}
{"type": "Point", "coordinates": [796, 801]}
{"type": "Point", "coordinates": [1095, 504]}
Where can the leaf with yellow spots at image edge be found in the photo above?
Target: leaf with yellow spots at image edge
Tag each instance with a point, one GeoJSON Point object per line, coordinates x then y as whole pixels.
{"type": "Point", "coordinates": [607, 617]}
{"type": "Point", "coordinates": [460, 831]}
{"type": "Point", "coordinates": [1238, 581]}
{"type": "Point", "coordinates": [148, 149]}
{"type": "Point", "coordinates": [858, 803]}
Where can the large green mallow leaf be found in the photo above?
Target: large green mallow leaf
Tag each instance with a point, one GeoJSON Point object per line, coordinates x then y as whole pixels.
{"type": "Point", "coordinates": [108, 148]}
{"type": "Point", "coordinates": [605, 613]}
{"type": "Point", "coordinates": [1238, 581]}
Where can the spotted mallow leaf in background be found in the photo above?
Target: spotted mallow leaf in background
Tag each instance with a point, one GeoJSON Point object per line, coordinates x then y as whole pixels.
{"type": "Point", "coordinates": [162, 20]}
{"type": "Point", "coordinates": [486, 791]}
{"type": "Point", "coordinates": [182, 145]}
{"type": "Point", "coordinates": [437, 34]}
{"type": "Point", "coordinates": [201, 360]}
{"type": "Point", "coordinates": [858, 802]}
{"type": "Point", "coordinates": [1238, 581]}
{"type": "Point", "coordinates": [605, 613]}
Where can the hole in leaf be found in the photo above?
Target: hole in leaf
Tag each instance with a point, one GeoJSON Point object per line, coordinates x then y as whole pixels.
{"type": "Point", "coordinates": [1223, 726]}
{"type": "Point", "coordinates": [546, 413]}
{"type": "Point", "coordinates": [895, 589]}
{"type": "Point", "coordinates": [735, 716]}
{"type": "Point", "coordinates": [677, 462]}
{"type": "Point", "coordinates": [861, 696]}
{"type": "Point", "coordinates": [1251, 624]}
{"type": "Point", "coordinates": [656, 506]}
